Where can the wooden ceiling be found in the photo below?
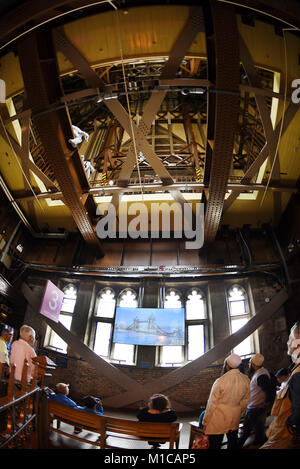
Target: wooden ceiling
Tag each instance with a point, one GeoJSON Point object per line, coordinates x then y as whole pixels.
{"type": "Point", "coordinates": [179, 104]}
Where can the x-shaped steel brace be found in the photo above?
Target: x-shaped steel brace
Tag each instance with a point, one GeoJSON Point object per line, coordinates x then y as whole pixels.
{"type": "Point", "coordinates": [272, 135]}
{"type": "Point", "coordinates": [193, 25]}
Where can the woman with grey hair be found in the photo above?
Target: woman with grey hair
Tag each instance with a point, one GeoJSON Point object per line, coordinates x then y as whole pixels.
{"type": "Point", "coordinates": [286, 407]}
{"type": "Point", "coordinates": [21, 350]}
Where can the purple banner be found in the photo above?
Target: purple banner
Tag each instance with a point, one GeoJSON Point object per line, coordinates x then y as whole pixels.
{"type": "Point", "coordinates": [52, 301]}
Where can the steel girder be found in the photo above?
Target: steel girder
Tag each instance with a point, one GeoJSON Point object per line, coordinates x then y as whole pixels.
{"type": "Point", "coordinates": [39, 68]}
{"type": "Point", "coordinates": [223, 55]}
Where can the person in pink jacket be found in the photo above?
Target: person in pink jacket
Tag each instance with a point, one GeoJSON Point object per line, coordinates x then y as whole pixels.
{"type": "Point", "coordinates": [21, 350]}
{"type": "Point", "coordinates": [226, 405]}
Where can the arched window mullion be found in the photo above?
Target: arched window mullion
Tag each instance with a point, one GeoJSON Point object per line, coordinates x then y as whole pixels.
{"type": "Point", "coordinates": [124, 353]}
{"type": "Point", "coordinates": [104, 315]}
{"type": "Point", "coordinates": [171, 355]}
{"type": "Point", "coordinates": [195, 323]}
{"type": "Point", "coordinates": [106, 303]}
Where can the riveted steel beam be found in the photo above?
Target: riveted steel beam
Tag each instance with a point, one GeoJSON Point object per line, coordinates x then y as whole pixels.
{"type": "Point", "coordinates": [39, 68]}
{"type": "Point", "coordinates": [271, 135]}
{"type": "Point", "coordinates": [223, 63]}
{"type": "Point", "coordinates": [193, 25]}
{"type": "Point", "coordinates": [264, 153]}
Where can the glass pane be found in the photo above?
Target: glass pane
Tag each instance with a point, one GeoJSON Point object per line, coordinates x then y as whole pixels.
{"type": "Point", "coordinates": [102, 339]}
{"type": "Point", "coordinates": [172, 300]}
{"type": "Point", "coordinates": [244, 348]}
{"type": "Point", "coordinates": [236, 293]}
{"type": "Point", "coordinates": [195, 341]}
{"type": "Point", "coordinates": [69, 300]}
{"type": "Point", "coordinates": [106, 304]}
{"type": "Point", "coordinates": [68, 305]}
{"type": "Point", "coordinates": [237, 308]}
{"type": "Point", "coordinates": [195, 308]}
{"type": "Point", "coordinates": [128, 299]}
{"type": "Point", "coordinates": [170, 355]}
{"type": "Point", "coordinates": [55, 340]}
{"type": "Point", "coordinates": [124, 353]}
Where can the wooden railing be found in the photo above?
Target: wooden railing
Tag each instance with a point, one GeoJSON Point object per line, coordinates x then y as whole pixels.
{"type": "Point", "coordinates": [20, 405]}
{"type": "Point", "coordinates": [20, 421]}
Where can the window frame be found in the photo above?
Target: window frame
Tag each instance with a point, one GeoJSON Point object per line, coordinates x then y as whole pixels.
{"type": "Point", "coordinates": [187, 322]}
{"type": "Point", "coordinates": [234, 317]}
{"type": "Point", "coordinates": [195, 322]}
{"type": "Point", "coordinates": [50, 334]}
{"type": "Point", "coordinates": [111, 320]}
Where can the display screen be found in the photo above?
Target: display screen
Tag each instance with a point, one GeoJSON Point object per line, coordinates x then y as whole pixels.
{"type": "Point", "coordinates": [149, 326]}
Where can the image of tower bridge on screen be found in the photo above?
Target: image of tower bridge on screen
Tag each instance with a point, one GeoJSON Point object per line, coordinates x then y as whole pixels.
{"type": "Point", "coordinates": [149, 326]}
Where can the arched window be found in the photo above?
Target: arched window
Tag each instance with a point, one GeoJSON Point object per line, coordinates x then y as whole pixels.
{"type": "Point", "coordinates": [195, 307]}
{"type": "Point", "coordinates": [172, 299]}
{"type": "Point", "coordinates": [124, 353]}
{"type": "Point", "coordinates": [105, 310]}
{"type": "Point", "coordinates": [106, 303]}
{"type": "Point", "coordinates": [65, 317]}
{"type": "Point", "coordinates": [196, 325]}
{"type": "Point", "coordinates": [239, 316]}
{"type": "Point", "coordinates": [128, 299]}
{"type": "Point", "coordinates": [170, 355]}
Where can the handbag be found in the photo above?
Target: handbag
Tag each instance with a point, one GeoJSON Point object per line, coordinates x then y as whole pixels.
{"type": "Point", "coordinates": [201, 442]}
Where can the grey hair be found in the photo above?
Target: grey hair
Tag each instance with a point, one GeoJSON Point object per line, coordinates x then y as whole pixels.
{"type": "Point", "coordinates": [295, 330]}
{"type": "Point", "coordinates": [26, 332]}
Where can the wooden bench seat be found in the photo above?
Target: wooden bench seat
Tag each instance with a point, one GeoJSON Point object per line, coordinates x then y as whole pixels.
{"type": "Point", "coordinates": [75, 417]}
{"type": "Point", "coordinates": [142, 431]}
{"type": "Point", "coordinates": [109, 429]}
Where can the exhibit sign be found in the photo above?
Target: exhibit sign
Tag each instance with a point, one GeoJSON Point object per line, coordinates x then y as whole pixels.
{"type": "Point", "coordinates": [52, 301]}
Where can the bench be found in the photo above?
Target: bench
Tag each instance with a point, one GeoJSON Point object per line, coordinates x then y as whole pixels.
{"type": "Point", "coordinates": [153, 432]}
{"type": "Point", "coordinates": [108, 428]}
{"type": "Point", "coordinates": [75, 417]}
